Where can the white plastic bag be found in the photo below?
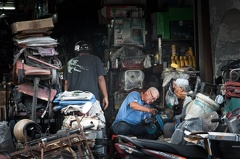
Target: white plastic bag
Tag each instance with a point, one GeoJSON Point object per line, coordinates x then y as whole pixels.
{"type": "Point", "coordinates": [170, 98]}
{"type": "Point", "coordinates": [147, 62]}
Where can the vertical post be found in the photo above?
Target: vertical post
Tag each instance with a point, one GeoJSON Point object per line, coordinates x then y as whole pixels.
{"type": "Point", "coordinates": [160, 49]}
{"type": "Point", "coordinates": [160, 61]}
{"type": "Point", "coordinates": [34, 101]}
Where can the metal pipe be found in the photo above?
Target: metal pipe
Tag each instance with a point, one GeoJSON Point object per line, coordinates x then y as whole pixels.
{"type": "Point", "coordinates": [160, 49]}
{"type": "Point", "coordinates": [45, 63]}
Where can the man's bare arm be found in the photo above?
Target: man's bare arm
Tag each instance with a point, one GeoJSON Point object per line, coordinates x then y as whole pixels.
{"type": "Point", "coordinates": [103, 87]}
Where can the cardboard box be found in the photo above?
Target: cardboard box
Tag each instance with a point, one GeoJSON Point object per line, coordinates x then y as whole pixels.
{"type": "Point", "coordinates": [39, 24]}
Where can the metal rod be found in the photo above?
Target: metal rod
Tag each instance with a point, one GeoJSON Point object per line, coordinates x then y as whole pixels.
{"type": "Point", "coordinates": [45, 63]}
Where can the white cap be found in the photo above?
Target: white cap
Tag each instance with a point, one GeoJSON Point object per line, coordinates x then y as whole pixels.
{"type": "Point", "coordinates": [181, 82]}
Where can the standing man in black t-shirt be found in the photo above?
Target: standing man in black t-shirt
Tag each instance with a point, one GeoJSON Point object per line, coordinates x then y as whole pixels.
{"type": "Point", "coordinates": [85, 72]}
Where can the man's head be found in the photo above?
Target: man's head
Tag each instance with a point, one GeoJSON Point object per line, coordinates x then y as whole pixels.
{"type": "Point", "coordinates": [83, 47]}
{"type": "Point", "coordinates": [151, 95]}
{"type": "Point", "coordinates": [181, 87]}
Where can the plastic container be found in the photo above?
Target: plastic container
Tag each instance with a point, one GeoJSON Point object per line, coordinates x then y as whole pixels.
{"type": "Point", "coordinates": [200, 106]}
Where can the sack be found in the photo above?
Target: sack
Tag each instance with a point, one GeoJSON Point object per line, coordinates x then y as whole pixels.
{"type": "Point", "coordinates": [6, 142]}
{"type": "Point", "coordinates": [171, 99]}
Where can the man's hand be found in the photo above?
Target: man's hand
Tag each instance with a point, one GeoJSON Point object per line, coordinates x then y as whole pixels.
{"type": "Point", "coordinates": [105, 103]}
{"type": "Point", "coordinates": [152, 111]}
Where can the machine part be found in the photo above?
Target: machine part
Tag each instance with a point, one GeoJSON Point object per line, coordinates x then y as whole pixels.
{"type": "Point", "coordinates": [20, 76]}
{"type": "Point", "coordinates": [151, 128]}
{"type": "Point", "coordinates": [119, 96]}
{"type": "Point", "coordinates": [100, 147]}
{"type": "Point", "coordinates": [54, 76]}
{"type": "Point", "coordinates": [43, 92]}
{"type": "Point", "coordinates": [48, 106]}
{"type": "Point", "coordinates": [10, 112]}
{"type": "Point", "coordinates": [132, 62]}
{"type": "Point", "coordinates": [55, 143]}
{"type": "Point", "coordinates": [50, 111]}
{"type": "Point", "coordinates": [43, 62]}
{"type": "Point", "coordinates": [35, 95]}
{"type": "Point", "coordinates": [131, 79]}
{"type": "Point", "coordinates": [234, 74]}
{"type": "Point", "coordinates": [117, 63]}
{"type": "Point", "coordinates": [25, 130]}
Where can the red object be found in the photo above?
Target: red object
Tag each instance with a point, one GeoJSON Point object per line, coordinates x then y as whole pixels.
{"type": "Point", "coordinates": [29, 70]}
{"type": "Point", "coordinates": [132, 62]}
{"type": "Point", "coordinates": [43, 93]}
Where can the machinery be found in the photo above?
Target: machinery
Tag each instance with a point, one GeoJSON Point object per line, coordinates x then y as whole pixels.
{"type": "Point", "coordinates": [78, 137]}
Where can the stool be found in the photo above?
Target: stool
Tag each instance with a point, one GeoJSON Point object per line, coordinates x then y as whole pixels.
{"type": "Point", "coordinates": [3, 113]}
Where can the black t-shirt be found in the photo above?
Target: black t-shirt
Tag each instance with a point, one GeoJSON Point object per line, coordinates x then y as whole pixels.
{"type": "Point", "coordinates": [82, 73]}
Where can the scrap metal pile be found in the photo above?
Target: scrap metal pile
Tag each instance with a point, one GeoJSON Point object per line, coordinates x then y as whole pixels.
{"type": "Point", "coordinates": [35, 70]}
{"type": "Point", "coordinates": [80, 135]}
{"type": "Point", "coordinates": [36, 100]}
{"type": "Point", "coordinates": [54, 145]}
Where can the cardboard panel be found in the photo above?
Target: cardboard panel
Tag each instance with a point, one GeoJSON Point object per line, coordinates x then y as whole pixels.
{"type": "Point", "coordinates": [39, 24]}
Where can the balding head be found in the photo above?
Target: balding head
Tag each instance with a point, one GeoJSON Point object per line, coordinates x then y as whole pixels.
{"type": "Point", "coordinates": [154, 91]}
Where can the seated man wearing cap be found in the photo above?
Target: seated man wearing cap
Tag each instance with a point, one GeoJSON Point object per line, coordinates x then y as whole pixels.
{"type": "Point", "coordinates": [134, 109]}
{"type": "Point", "coordinates": [181, 90]}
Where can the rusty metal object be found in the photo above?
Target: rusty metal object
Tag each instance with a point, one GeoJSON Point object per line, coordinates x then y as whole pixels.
{"type": "Point", "coordinates": [43, 62]}
{"type": "Point", "coordinates": [43, 92]}
{"type": "Point", "coordinates": [54, 144]}
{"type": "Point", "coordinates": [21, 128]}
